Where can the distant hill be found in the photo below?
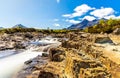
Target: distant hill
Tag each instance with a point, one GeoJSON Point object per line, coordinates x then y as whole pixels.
{"type": "Point", "coordinates": [19, 26]}
{"type": "Point", "coordinates": [85, 23]}
{"type": "Point", "coordinates": [1, 27]}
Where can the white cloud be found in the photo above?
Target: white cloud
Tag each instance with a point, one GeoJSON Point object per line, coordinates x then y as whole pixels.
{"type": "Point", "coordinates": [90, 18]}
{"type": "Point", "coordinates": [67, 15]}
{"type": "Point", "coordinates": [112, 16]}
{"type": "Point", "coordinates": [58, 1]}
{"type": "Point", "coordinates": [72, 21]}
{"type": "Point", "coordinates": [106, 13]}
{"type": "Point", "coordinates": [79, 11]}
{"type": "Point", "coordinates": [103, 12]}
{"type": "Point", "coordinates": [118, 17]}
{"type": "Point", "coordinates": [83, 8]}
{"type": "Point", "coordinates": [56, 24]}
{"type": "Point", "coordinates": [56, 20]}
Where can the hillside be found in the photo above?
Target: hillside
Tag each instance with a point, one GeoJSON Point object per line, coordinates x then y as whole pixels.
{"type": "Point", "coordinates": [105, 26]}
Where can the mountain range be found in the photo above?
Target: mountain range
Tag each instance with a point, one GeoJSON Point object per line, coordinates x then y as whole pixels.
{"type": "Point", "coordinates": [85, 23]}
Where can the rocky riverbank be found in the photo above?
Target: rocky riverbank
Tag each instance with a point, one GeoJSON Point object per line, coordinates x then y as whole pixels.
{"type": "Point", "coordinates": [17, 40]}
{"type": "Point", "coordinates": [79, 55]}
{"type": "Point", "coordinates": [74, 58]}
{"type": "Point", "coordinates": [12, 59]}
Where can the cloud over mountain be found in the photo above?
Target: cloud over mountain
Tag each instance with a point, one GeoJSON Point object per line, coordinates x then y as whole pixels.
{"type": "Point", "coordinates": [85, 11]}
{"type": "Point", "coordinates": [102, 12]}
{"type": "Point", "coordinates": [72, 21]}
{"type": "Point", "coordinates": [90, 18]}
{"type": "Point", "coordinates": [79, 11]}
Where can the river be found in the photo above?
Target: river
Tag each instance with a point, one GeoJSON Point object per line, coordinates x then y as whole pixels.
{"type": "Point", "coordinates": [11, 61]}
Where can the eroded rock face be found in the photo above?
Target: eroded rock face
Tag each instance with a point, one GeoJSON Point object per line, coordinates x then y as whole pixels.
{"type": "Point", "coordinates": [76, 58]}
{"type": "Point", "coordinates": [52, 70]}
{"type": "Point", "coordinates": [78, 66]}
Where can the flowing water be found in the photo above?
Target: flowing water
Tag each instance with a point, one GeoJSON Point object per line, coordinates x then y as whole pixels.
{"type": "Point", "coordinates": [12, 60]}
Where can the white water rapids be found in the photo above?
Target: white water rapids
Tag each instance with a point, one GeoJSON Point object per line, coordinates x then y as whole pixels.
{"type": "Point", "coordinates": [10, 62]}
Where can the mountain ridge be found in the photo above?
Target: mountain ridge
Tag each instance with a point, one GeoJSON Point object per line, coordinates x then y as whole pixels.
{"type": "Point", "coordinates": [85, 23]}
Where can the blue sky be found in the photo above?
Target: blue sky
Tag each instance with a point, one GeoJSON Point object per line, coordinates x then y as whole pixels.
{"type": "Point", "coordinates": [55, 14]}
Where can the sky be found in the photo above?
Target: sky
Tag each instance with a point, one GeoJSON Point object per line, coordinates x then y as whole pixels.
{"type": "Point", "coordinates": [55, 14]}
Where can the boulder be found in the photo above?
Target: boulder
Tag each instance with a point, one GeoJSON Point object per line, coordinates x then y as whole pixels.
{"type": "Point", "coordinates": [102, 39]}
{"type": "Point", "coordinates": [116, 31]}
{"type": "Point", "coordinates": [57, 54]}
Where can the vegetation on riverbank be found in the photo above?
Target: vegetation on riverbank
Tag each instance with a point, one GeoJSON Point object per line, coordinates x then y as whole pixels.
{"type": "Point", "coordinates": [105, 26]}
{"type": "Point", "coordinates": [49, 31]}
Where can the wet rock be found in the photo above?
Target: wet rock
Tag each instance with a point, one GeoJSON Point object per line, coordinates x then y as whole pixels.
{"type": "Point", "coordinates": [45, 55]}
{"type": "Point", "coordinates": [19, 46]}
{"type": "Point", "coordinates": [32, 67]}
{"type": "Point", "coordinates": [28, 62]}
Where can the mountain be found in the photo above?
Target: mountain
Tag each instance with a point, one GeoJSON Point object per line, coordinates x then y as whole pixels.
{"type": "Point", "coordinates": [19, 26]}
{"type": "Point", "coordinates": [1, 27]}
{"type": "Point", "coordinates": [85, 23]}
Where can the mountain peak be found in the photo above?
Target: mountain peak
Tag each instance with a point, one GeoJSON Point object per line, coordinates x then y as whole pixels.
{"type": "Point", "coordinates": [83, 24]}
{"type": "Point", "coordinates": [19, 26]}
{"type": "Point", "coordinates": [85, 20]}
{"type": "Point", "coordinates": [1, 27]}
